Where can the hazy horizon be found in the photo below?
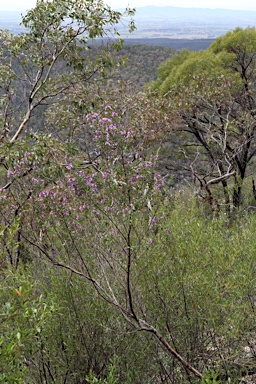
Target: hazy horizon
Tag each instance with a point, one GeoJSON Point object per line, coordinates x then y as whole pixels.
{"type": "Point", "coordinates": [247, 5]}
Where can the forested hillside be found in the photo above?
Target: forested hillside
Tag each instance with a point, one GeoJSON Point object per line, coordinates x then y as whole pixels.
{"type": "Point", "coordinates": [127, 204]}
{"type": "Point", "coordinates": [141, 63]}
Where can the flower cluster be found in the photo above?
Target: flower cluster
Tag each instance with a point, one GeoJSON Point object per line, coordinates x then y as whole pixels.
{"type": "Point", "coordinates": [120, 183]}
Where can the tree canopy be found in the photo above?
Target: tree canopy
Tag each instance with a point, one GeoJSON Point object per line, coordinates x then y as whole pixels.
{"type": "Point", "coordinates": [214, 95]}
{"type": "Point", "coordinates": [58, 34]}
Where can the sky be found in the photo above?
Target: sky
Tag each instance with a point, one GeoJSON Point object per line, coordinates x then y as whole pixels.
{"type": "Point", "coordinates": [23, 5]}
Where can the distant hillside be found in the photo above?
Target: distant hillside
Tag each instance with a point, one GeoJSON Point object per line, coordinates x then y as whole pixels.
{"type": "Point", "coordinates": [189, 23]}
{"type": "Point", "coordinates": [11, 20]}
{"type": "Point", "coordinates": [142, 63]}
{"type": "Point", "coordinates": [177, 44]}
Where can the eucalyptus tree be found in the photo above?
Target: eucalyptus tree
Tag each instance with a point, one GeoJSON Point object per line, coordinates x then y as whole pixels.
{"type": "Point", "coordinates": [46, 62]}
{"type": "Point", "coordinates": [213, 93]}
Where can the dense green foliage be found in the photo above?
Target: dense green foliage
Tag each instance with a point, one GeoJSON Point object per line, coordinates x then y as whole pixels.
{"type": "Point", "coordinates": [213, 93]}
{"type": "Point", "coordinates": [108, 274]}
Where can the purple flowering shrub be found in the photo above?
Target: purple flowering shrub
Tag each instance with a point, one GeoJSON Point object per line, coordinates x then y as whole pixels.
{"type": "Point", "coordinates": [92, 212]}
{"type": "Point", "coordinates": [102, 215]}
{"type": "Point", "coordinates": [100, 204]}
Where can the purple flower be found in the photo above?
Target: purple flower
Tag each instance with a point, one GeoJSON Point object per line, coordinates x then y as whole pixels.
{"type": "Point", "coordinates": [69, 166]}
{"type": "Point", "coordinates": [9, 173]}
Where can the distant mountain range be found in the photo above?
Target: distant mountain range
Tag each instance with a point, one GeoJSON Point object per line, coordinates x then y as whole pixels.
{"type": "Point", "coordinates": [11, 20]}
{"type": "Point", "coordinates": [190, 23]}
{"type": "Point", "coordinates": [168, 22]}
